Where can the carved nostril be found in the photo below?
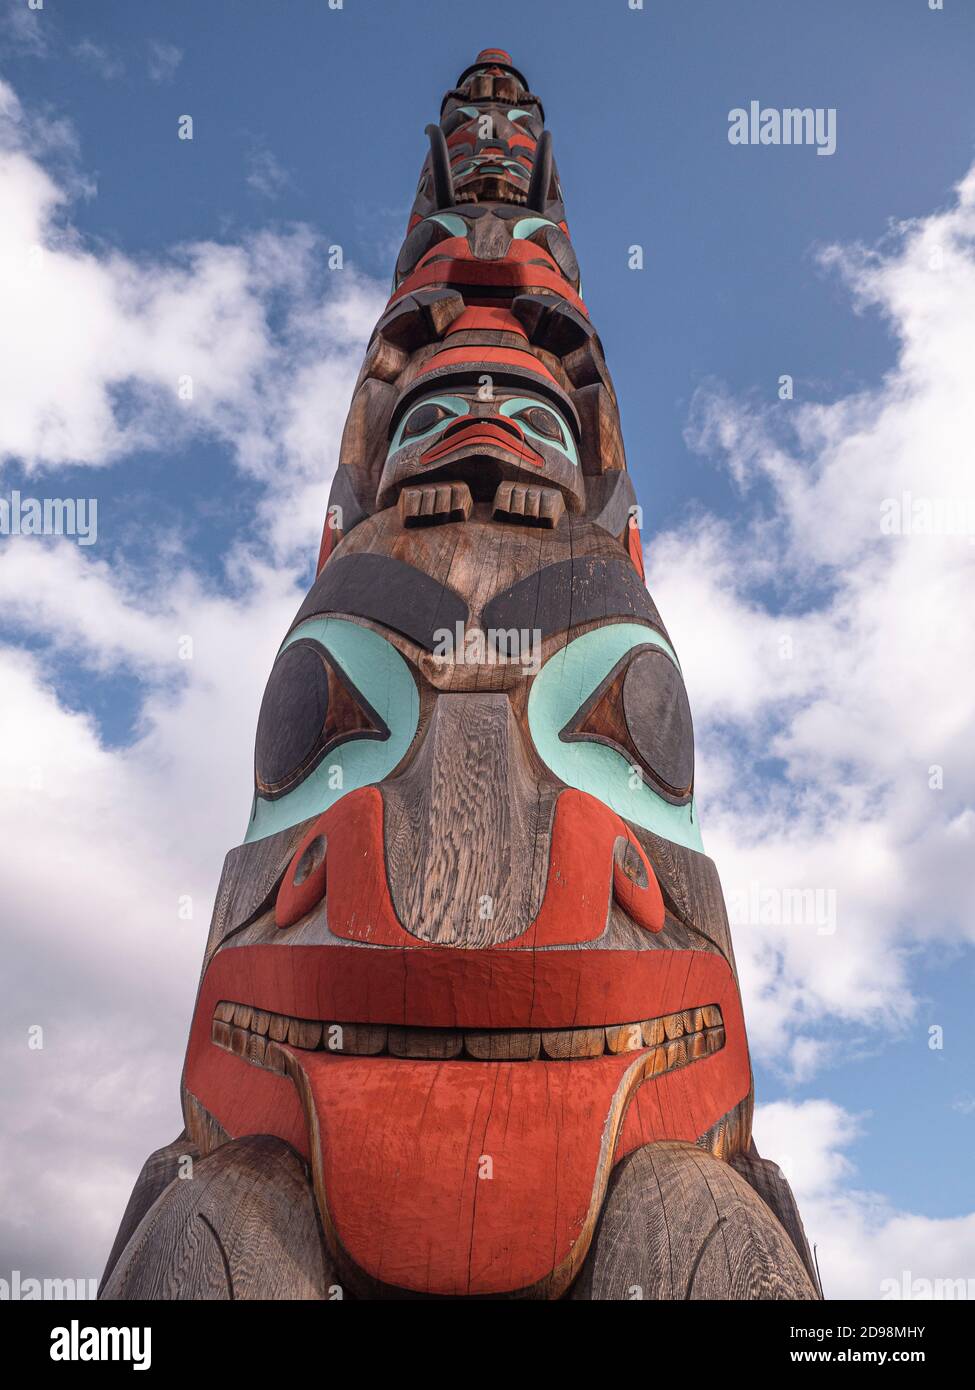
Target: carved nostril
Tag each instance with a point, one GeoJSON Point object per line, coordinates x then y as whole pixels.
{"type": "Point", "coordinates": [635, 885]}
{"type": "Point", "coordinates": [310, 860]}
{"type": "Point", "coordinates": [303, 885]}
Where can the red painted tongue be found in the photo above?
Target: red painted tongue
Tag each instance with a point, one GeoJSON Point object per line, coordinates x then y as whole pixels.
{"type": "Point", "coordinates": [463, 1178]}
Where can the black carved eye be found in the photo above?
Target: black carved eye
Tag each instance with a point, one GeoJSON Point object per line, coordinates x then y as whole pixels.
{"type": "Point", "coordinates": [309, 707]}
{"type": "Point", "coordinates": [641, 709]}
{"type": "Point", "coordinates": [658, 718]}
{"type": "Point", "coordinates": [423, 237]}
{"type": "Point", "coordinates": [424, 418]}
{"type": "Point", "coordinates": [542, 421]}
{"type": "Point", "coordinates": [559, 247]}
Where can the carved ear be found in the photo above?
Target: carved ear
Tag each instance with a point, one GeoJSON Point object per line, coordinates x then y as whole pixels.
{"type": "Point", "coordinates": [443, 179]}
{"type": "Point", "coordinates": [541, 174]}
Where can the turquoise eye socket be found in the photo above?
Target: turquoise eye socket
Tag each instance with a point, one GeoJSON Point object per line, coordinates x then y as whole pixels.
{"type": "Point", "coordinates": [527, 226]}
{"type": "Point", "coordinates": [517, 115]}
{"type": "Point", "coordinates": [543, 423]}
{"type": "Point", "coordinates": [558, 694]}
{"type": "Point", "coordinates": [376, 669]}
{"type": "Point", "coordinates": [426, 418]}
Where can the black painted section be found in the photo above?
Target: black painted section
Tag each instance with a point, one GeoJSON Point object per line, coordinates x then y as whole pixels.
{"type": "Point", "coordinates": [584, 589]}
{"type": "Point", "coordinates": [293, 713]}
{"type": "Point", "coordinates": [658, 718]}
{"type": "Point", "coordinates": [388, 592]}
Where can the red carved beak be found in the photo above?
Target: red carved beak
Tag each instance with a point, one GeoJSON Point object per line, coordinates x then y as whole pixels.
{"type": "Point", "coordinates": [469, 436]}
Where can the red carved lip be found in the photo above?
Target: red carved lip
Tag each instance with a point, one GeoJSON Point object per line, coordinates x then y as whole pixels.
{"type": "Point", "coordinates": [399, 1147]}
{"type": "Point", "coordinates": [480, 434]}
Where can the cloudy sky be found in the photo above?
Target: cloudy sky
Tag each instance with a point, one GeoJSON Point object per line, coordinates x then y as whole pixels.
{"type": "Point", "coordinates": [828, 651]}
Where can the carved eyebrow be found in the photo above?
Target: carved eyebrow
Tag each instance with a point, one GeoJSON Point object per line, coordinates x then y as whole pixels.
{"type": "Point", "coordinates": [388, 592]}
{"type": "Point", "coordinates": [580, 590]}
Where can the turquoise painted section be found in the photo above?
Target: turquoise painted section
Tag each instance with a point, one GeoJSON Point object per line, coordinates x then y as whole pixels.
{"type": "Point", "coordinates": [457, 405]}
{"type": "Point", "coordinates": [455, 225]}
{"type": "Point", "coordinates": [567, 447]}
{"type": "Point", "coordinates": [375, 668]}
{"type": "Point", "coordinates": [525, 226]}
{"type": "Point", "coordinates": [559, 690]}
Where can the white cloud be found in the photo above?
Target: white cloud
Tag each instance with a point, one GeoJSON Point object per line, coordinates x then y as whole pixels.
{"type": "Point", "coordinates": [102, 843]}
{"type": "Point", "coordinates": [829, 664]}
{"type": "Point", "coordinates": [867, 1249]}
{"type": "Point", "coordinates": [164, 59]}
{"type": "Point", "coordinates": [266, 336]}
{"type": "Point", "coordinates": [265, 174]}
{"type": "Point", "coordinates": [99, 59]}
{"type": "Point", "coordinates": [24, 29]}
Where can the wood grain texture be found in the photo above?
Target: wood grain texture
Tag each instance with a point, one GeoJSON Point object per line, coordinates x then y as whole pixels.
{"type": "Point", "coordinates": [678, 1223]}
{"type": "Point", "coordinates": [465, 827]}
{"type": "Point", "coordinates": [244, 1227]}
{"type": "Point", "coordinates": [158, 1171]}
{"type": "Point", "coordinates": [770, 1183]}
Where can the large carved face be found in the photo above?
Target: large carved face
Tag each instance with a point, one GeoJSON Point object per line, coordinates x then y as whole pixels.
{"type": "Point", "coordinates": [470, 952]}
{"type": "Point", "coordinates": [471, 864]}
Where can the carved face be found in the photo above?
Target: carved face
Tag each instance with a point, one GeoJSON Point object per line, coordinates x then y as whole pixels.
{"type": "Point", "coordinates": [473, 840]}
{"type": "Point", "coordinates": [452, 434]}
{"type": "Point", "coordinates": [434, 246]}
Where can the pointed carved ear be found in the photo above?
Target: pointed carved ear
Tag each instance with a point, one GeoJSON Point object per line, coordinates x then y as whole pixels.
{"type": "Point", "coordinates": [541, 174]}
{"type": "Point", "coordinates": [443, 179]}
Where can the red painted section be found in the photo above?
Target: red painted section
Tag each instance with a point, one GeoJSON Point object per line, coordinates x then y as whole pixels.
{"type": "Point", "coordinates": [493, 55]}
{"type": "Point", "coordinates": [634, 546]}
{"type": "Point", "coordinates": [331, 536]}
{"type": "Point", "coordinates": [403, 1147]}
{"type": "Point", "coordinates": [296, 900]}
{"type": "Point", "coordinates": [401, 1140]}
{"type": "Point", "coordinates": [644, 905]}
{"type": "Point", "coordinates": [498, 275]}
{"type": "Point", "coordinates": [497, 320]}
{"type": "Point", "coordinates": [459, 249]}
{"type": "Point", "coordinates": [449, 987]}
{"type": "Point", "coordinates": [509, 357]}
{"type": "Point", "coordinates": [480, 432]}
{"type": "Point", "coordinates": [581, 876]}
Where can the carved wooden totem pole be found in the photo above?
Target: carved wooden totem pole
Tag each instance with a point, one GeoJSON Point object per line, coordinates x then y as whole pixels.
{"type": "Point", "coordinates": [469, 1023]}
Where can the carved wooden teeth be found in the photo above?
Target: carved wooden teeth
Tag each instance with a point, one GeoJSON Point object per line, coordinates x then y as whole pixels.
{"type": "Point", "coordinates": [674, 1039]}
{"type": "Point", "coordinates": [528, 504]}
{"type": "Point", "coordinates": [433, 504]}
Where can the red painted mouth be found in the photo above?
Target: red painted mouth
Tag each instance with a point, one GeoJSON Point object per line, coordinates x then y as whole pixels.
{"type": "Point", "coordinates": [463, 1131]}
{"type": "Point", "coordinates": [464, 1177]}
{"type": "Point", "coordinates": [469, 438]}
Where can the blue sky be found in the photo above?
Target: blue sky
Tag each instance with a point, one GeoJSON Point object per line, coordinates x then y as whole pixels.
{"type": "Point", "coordinates": [759, 261]}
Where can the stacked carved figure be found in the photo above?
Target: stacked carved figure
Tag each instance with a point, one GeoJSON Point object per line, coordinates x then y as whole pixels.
{"type": "Point", "coordinates": [469, 1023]}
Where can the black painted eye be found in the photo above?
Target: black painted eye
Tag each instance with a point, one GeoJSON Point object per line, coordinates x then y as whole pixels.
{"type": "Point", "coordinates": [641, 709]}
{"type": "Point", "coordinates": [423, 237]}
{"type": "Point", "coordinates": [658, 718]}
{"type": "Point", "coordinates": [559, 247]}
{"type": "Point", "coordinates": [308, 709]}
{"type": "Point", "coordinates": [424, 418]}
{"type": "Point", "coordinates": [542, 421]}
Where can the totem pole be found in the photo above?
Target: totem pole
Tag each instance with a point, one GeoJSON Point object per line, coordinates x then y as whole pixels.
{"type": "Point", "coordinates": [469, 1023]}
